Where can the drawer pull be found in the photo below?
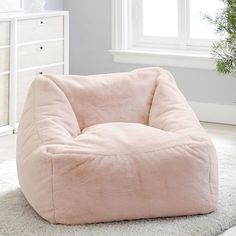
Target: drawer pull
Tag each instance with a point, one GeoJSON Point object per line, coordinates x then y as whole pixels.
{"type": "Point", "coordinates": [41, 22]}
{"type": "Point", "coordinates": [40, 72]}
{"type": "Point", "coordinates": [41, 47]}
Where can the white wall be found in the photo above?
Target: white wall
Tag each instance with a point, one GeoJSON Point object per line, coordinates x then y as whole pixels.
{"type": "Point", "coordinates": [90, 40]}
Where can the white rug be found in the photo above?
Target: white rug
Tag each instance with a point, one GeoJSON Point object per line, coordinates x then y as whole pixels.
{"type": "Point", "coordinates": [18, 219]}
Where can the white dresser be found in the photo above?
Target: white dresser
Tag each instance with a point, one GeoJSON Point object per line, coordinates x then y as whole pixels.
{"type": "Point", "coordinates": [30, 44]}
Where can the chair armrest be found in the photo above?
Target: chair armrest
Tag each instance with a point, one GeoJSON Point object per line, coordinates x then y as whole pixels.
{"type": "Point", "coordinates": [170, 111]}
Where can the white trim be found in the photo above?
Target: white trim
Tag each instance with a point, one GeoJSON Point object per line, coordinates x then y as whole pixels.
{"type": "Point", "coordinates": [165, 58]}
{"type": "Point", "coordinates": [40, 67]}
{"type": "Point", "coordinates": [182, 26]}
{"type": "Point", "coordinates": [31, 15]}
{"type": "Point", "coordinates": [5, 19]}
{"type": "Point", "coordinates": [16, 128]}
{"type": "Point", "coordinates": [4, 46]}
{"type": "Point", "coordinates": [215, 113]}
{"type": "Point", "coordinates": [40, 41]}
{"type": "Point", "coordinates": [118, 31]}
{"type": "Point", "coordinates": [6, 130]}
{"type": "Point", "coordinates": [13, 74]}
{"type": "Point", "coordinates": [5, 73]}
{"type": "Point", "coordinates": [66, 43]}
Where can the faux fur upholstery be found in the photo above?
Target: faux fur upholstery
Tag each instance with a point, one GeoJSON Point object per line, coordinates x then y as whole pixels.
{"type": "Point", "coordinates": [114, 147]}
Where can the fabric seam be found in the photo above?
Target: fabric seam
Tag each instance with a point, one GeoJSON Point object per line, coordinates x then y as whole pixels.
{"type": "Point", "coordinates": [127, 154]}
{"type": "Point", "coordinates": [154, 93]}
{"type": "Point", "coordinates": [72, 109]}
{"type": "Point", "coordinates": [42, 142]}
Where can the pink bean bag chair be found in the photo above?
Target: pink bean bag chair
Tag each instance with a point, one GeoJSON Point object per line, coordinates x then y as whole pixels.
{"type": "Point", "coordinates": [114, 147]}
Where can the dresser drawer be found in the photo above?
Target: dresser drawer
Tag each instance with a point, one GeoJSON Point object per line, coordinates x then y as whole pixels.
{"type": "Point", "coordinates": [40, 54]}
{"type": "Point", "coordinates": [4, 33]}
{"type": "Point", "coordinates": [4, 59]}
{"type": "Point", "coordinates": [24, 80]}
{"type": "Point", "coordinates": [4, 100]}
{"type": "Point", "coordinates": [40, 29]}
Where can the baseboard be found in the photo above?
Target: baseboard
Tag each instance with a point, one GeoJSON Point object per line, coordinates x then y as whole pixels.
{"type": "Point", "coordinates": [6, 130]}
{"type": "Point", "coordinates": [215, 113]}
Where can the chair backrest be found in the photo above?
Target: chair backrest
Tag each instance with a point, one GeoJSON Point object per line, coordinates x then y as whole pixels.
{"type": "Point", "coordinates": [120, 97]}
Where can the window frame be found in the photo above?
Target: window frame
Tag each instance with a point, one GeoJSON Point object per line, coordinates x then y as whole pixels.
{"type": "Point", "coordinates": [182, 41]}
{"type": "Point", "coordinates": [128, 48]}
{"type": "Point", "coordinates": [140, 40]}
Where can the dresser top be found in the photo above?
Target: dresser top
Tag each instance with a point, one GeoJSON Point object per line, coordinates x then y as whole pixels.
{"type": "Point", "coordinates": [28, 15]}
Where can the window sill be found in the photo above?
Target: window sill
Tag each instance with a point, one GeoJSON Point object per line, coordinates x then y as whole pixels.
{"type": "Point", "coordinates": [186, 59]}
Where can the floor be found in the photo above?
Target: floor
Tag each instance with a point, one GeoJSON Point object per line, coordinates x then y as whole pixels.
{"type": "Point", "coordinates": [219, 133]}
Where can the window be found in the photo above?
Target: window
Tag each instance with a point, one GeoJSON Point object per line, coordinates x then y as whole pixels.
{"type": "Point", "coordinates": [173, 23]}
{"type": "Point", "coordinates": [173, 26]}
{"type": "Point", "coordinates": [200, 29]}
{"type": "Point", "coordinates": [153, 13]}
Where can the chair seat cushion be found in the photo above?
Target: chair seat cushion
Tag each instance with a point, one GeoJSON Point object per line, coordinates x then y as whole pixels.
{"type": "Point", "coordinates": [123, 138]}
{"type": "Point", "coordinates": [115, 171]}
{"type": "Point", "coordinates": [160, 163]}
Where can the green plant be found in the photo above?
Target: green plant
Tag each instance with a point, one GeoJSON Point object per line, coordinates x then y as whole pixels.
{"type": "Point", "coordinates": [224, 50]}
